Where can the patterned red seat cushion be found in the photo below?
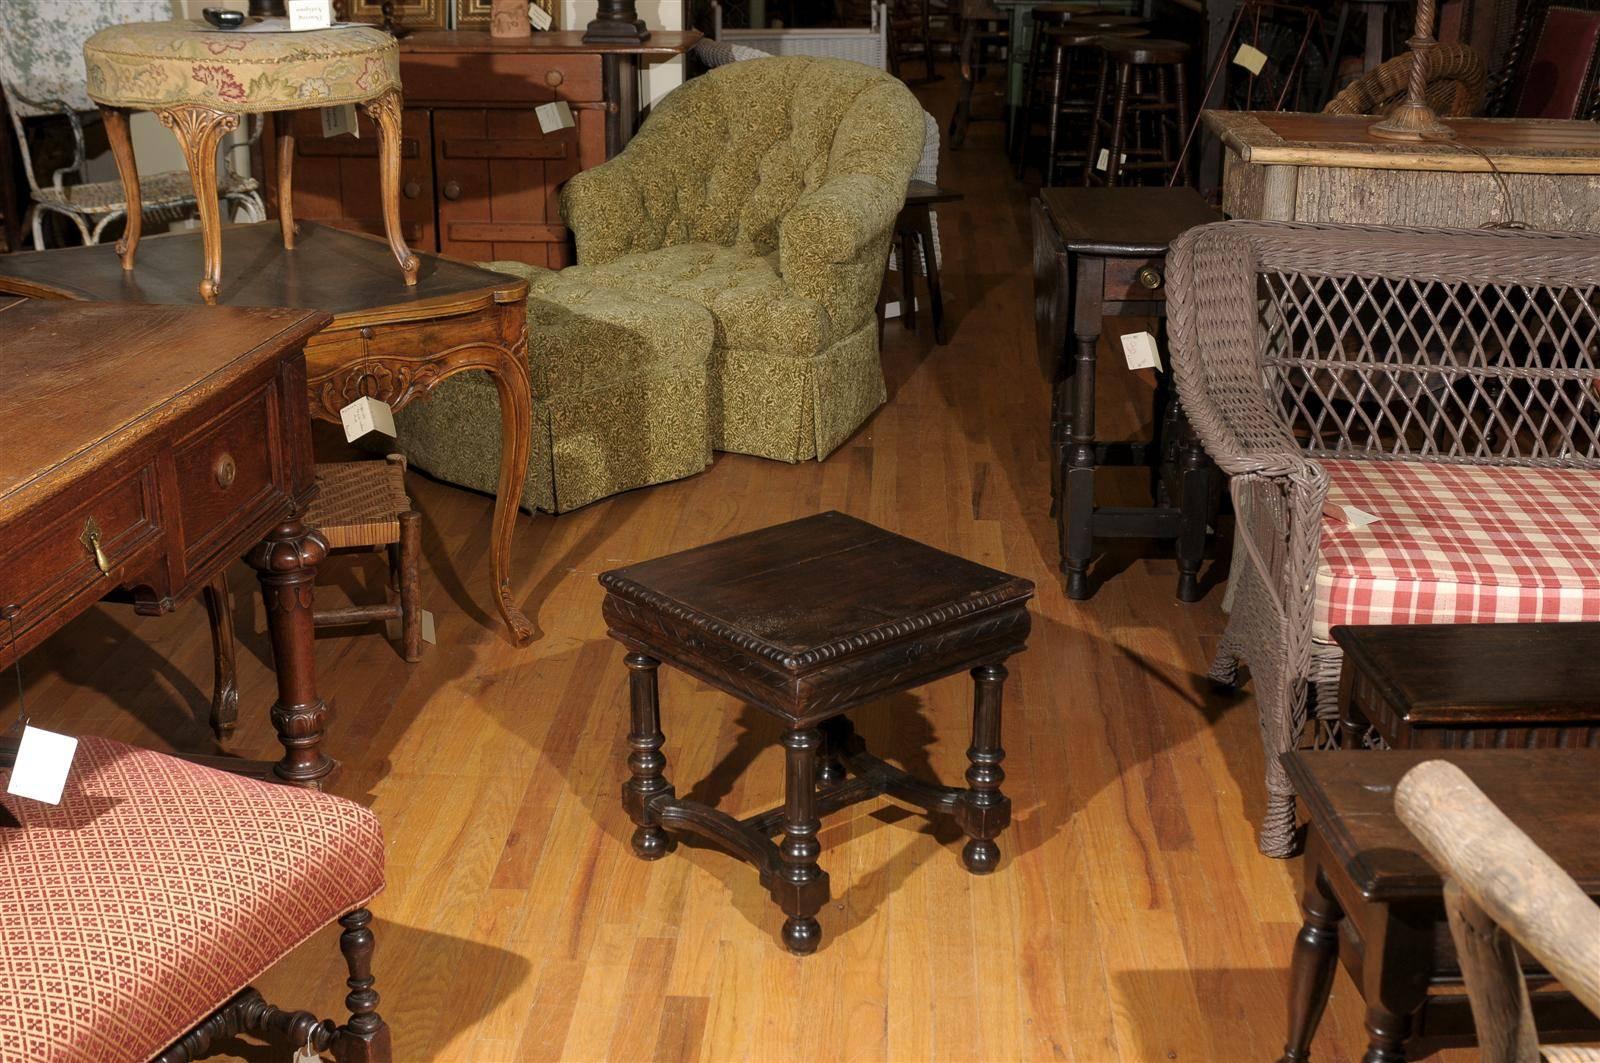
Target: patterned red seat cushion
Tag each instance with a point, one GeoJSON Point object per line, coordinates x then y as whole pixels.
{"type": "Point", "coordinates": [155, 891]}
{"type": "Point", "coordinates": [1456, 544]}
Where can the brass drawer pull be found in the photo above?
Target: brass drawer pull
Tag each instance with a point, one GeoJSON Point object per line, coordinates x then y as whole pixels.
{"type": "Point", "coordinates": [1150, 277]}
{"type": "Point", "coordinates": [452, 190]}
{"type": "Point", "coordinates": [226, 471]}
{"type": "Point", "coordinates": [554, 78]}
{"type": "Point", "coordinates": [91, 539]}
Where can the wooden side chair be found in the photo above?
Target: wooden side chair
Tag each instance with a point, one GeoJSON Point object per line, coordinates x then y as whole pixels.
{"type": "Point", "coordinates": [360, 507]}
{"type": "Point", "coordinates": [1502, 891]}
{"type": "Point", "coordinates": [138, 910]}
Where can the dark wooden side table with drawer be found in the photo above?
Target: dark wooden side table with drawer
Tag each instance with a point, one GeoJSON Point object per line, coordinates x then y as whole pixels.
{"type": "Point", "coordinates": [1470, 686]}
{"type": "Point", "coordinates": [145, 448]}
{"type": "Point", "coordinates": [1098, 253]}
{"type": "Point", "coordinates": [1375, 904]}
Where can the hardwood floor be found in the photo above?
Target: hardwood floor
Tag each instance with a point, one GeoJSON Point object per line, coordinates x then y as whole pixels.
{"type": "Point", "coordinates": [1131, 917]}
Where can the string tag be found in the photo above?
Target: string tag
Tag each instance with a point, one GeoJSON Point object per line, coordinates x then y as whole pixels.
{"type": "Point", "coordinates": [554, 117]}
{"type": "Point", "coordinates": [43, 760]}
{"type": "Point", "coordinates": [309, 15]}
{"type": "Point", "coordinates": [540, 18]}
{"type": "Point", "coordinates": [337, 121]}
{"type": "Point", "coordinates": [1251, 58]}
{"type": "Point", "coordinates": [1141, 351]}
{"type": "Point", "coordinates": [365, 415]}
{"type": "Point", "coordinates": [306, 1054]}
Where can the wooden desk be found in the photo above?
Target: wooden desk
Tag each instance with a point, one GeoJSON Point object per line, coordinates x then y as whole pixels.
{"type": "Point", "coordinates": [385, 339]}
{"type": "Point", "coordinates": [1323, 167]}
{"type": "Point", "coordinates": [1374, 903]}
{"type": "Point", "coordinates": [146, 448]}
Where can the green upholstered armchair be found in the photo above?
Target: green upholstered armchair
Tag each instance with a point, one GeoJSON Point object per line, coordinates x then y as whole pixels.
{"type": "Point", "coordinates": [766, 192]}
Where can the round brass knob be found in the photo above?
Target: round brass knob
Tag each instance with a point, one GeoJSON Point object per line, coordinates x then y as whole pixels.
{"type": "Point", "coordinates": [1150, 277]}
{"type": "Point", "coordinates": [367, 333]}
{"type": "Point", "coordinates": [412, 190]}
{"type": "Point", "coordinates": [226, 471]}
{"type": "Point", "coordinates": [554, 78]}
{"type": "Point", "coordinates": [452, 190]}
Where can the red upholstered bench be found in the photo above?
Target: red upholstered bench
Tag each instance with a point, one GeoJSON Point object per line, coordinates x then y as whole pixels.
{"type": "Point", "coordinates": [135, 913]}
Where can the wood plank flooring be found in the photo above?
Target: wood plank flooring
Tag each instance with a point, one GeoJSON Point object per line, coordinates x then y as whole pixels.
{"type": "Point", "coordinates": [1131, 918]}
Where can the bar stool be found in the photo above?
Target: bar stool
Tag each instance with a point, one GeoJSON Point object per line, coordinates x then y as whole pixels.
{"type": "Point", "coordinates": [1072, 90]}
{"type": "Point", "coordinates": [983, 28]}
{"type": "Point", "coordinates": [1043, 17]}
{"type": "Point", "coordinates": [1138, 128]}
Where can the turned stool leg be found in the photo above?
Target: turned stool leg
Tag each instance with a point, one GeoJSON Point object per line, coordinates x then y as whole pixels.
{"type": "Point", "coordinates": [385, 114]}
{"type": "Point", "coordinates": [802, 887]}
{"type": "Point", "coordinates": [224, 687]}
{"type": "Point", "coordinates": [645, 760]}
{"type": "Point", "coordinates": [984, 811]}
{"type": "Point", "coordinates": [410, 593]}
{"type": "Point", "coordinates": [199, 130]}
{"type": "Point", "coordinates": [285, 137]}
{"type": "Point", "coordinates": [116, 122]}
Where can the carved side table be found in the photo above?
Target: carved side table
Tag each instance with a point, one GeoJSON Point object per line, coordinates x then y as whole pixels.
{"type": "Point", "coordinates": [387, 340]}
{"type": "Point", "coordinates": [807, 620]}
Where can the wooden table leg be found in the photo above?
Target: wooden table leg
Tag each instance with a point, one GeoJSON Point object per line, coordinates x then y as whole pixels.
{"type": "Point", "coordinates": [801, 888]}
{"type": "Point", "coordinates": [1077, 500]}
{"type": "Point", "coordinates": [224, 686]}
{"type": "Point", "coordinates": [983, 811]}
{"type": "Point", "coordinates": [286, 563]}
{"type": "Point", "coordinates": [930, 270]}
{"type": "Point", "coordinates": [116, 122]}
{"type": "Point", "coordinates": [510, 375]}
{"type": "Point", "coordinates": [1316, 955]}
{"type": "Point", "coordinates": [199, 130]}
{"type": "Point", "coordinates": [646, 763]}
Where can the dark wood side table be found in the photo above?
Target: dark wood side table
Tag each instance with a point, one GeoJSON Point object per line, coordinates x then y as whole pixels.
{"type": "Point", "coordinates": [913, 228]}
{"type": "Point", "coordinates": [1374, 903]}
{"type": "Point", "coordinates": [146, 448]}
{"type": "Point", "coordinates": [1464, 686]}
{"type": "Point", "coordinates": [385, 340]}
{"type": "Point", "coordinates": [807, 620]}
{"type": "Point", "coordinates": [1098, 253]}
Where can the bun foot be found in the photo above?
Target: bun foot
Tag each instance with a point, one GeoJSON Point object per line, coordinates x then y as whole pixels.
{"type": "Point", "coordinates": [981, 856]}
{"type": "Point", "coordinates": [1189, 587]}
{"type": "Point", "coordinates": [652, 843]}
{"type": "Point", "coordinates": [801, 936]}
{"type": "Point", "coordinates": [1077, 584]}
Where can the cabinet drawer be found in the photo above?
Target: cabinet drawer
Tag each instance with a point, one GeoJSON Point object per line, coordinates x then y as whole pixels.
{"type": "Point", "coordinates": [225, 468]}
{"type": "Point", "coordinates": [57, 565]}
{"type": "Point", "coordinates": [461, 77]}
{"type": "Point", "coordinates": [1131, 279]}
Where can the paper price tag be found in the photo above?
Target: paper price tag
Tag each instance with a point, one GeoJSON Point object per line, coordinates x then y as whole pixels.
{"type": "Point", "coordinates": [1104, 159]}
{"type": "Point", "coordinates": [1141, 351]}
{"type": "Point", "coordinates": [430, 634]}
{"type": "Point", "coordinates": [309, 15]}
{"type": "Point", "coordinates": [339, 120]}
{"type": "Point", "coordinates": [540, 18]}
{"type": "Point", "coordinates": [43, 760]}
{"type": "Point", "coordinates": [554, 117]}
{"type": "Point", "coordinates": [1251, 58]}
{"type": "Point", "coordinates": [364, 415]}
{"type": "Point", "coordinates": [1356, 518]}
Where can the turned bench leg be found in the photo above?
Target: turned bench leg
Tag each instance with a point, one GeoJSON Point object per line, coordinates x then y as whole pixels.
{"type": "Point", "coordinates": [983, 811]}
{"type": "Point", "coordinates": [802, 887]}
{"type": "Point", "coordinates": [646, 763]}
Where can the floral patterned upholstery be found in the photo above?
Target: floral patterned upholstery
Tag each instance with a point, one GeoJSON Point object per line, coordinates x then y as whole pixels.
{"type": "Point", "coordinates": [153, 65]}
{"type": "Point", "coordinates": [155, 891]}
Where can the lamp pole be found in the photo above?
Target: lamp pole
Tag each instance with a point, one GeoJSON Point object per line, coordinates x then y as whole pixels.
{"type": "Point", "coordinates": [616, 22]}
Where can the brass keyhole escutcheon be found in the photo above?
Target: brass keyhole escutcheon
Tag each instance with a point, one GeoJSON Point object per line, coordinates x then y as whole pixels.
{"type": "Point", "coordinates": [1149, 277]}
{"type": "Point", "coordinates": [226, 471]}
{"type": "Point", "coordinates": [91, 539]}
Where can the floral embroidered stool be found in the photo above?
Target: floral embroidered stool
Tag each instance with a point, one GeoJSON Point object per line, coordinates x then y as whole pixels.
{"type": "Point", "coordinates": [199, 81]}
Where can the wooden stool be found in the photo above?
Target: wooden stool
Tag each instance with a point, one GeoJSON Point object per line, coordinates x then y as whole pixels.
{"type": "Point", "coordinates": [360, 506]}
{"type": "Point", "coordinates": [983, 29]}
{"type": "Point", "coordinates": [913, 229]}
{"type": "Point", "coordinates": [805, 621]}
{"type": "Point", "coordinates": [1041, 18]}
{"type": "Point", "coordinates": [1072, 90]}
{"type": "Point", "coordinates": [1470, 686]}
{"type": "Point", "coordinates": [1138, 128]}
{"type": "Point", "coordinates": [199, 81]}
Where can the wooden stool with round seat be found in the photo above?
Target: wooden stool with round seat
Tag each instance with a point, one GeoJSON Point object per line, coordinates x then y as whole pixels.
{"type": "Point", "coordinates": [1141, 112]}
{"type": "Point", "coordinates": [1072, 90]}
{"type": "Point", "coordinates": [1042, 17]}
{"type": "Point", "coordinates": [199, 81]}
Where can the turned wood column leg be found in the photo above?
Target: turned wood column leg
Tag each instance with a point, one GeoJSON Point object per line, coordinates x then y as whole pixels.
{"type": "Point", "coordinates": [646, 763]}
{"type": "Point", "coordinates": [116, 122]}
{"type": "Point", "coordinates": [1387, 1034]}
{"type": "Point", "coordinates": [1194, 503]}
{"type": "Point", "coordinates": [1078, 497]}
{"type": "Point", "coordinates": [285, 136]}
{"type": "Point", "coordinates": [410, 591]}
{"type": "Point", "coordinates": [199, 131]}
{"type": "Point", "coordinates": [365, 1037]}
{"type": "Point", "coordinates": [1316, 954]}
{"type": "Point", "coordinates": [224, 684]}
{"type": "Point", "coordinates": [802, 887]}
{"type": "Point", "coordinates": [385, 113]}
{"type": "Point", "coordinates": [286, 562]}
{"type": "Point", "coordinates": [983, 811]}
{"type": "Point", "coordinates": [510, 376]}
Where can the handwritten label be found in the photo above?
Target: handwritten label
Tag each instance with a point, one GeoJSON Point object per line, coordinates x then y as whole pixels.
{"type": "Point", "coordinates": [1104, 159]}
{"type": "Point", "coordinates": [430, 634]}
{"type": "Point", "coordinates": [337, 121]}
{"type": "Point", "coordinates": [365, 415]}
{"type": "Point", "coordinates": [554, 117]}
{"type": "Point", "coordinates": [309, 15]}
{"type": "Point", "coordinates": [1356, 518]}
{"type": "Point", "coordinates": [1251, 58]}
{"type": "Point", "coordinates": [539, 17]}
{"type": "Point", "coordinates": [1141, 351]}
{"type": "Point", "coordinates": [43, 760]}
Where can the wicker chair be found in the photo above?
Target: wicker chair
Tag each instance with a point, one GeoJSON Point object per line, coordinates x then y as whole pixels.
{"type": "Point", "coordinates": [1441, 380]}
{"type": "Point", "coordinates": [1455, 86]}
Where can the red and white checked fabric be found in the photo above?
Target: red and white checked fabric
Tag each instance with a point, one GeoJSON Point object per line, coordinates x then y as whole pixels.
{"type": "Point", "coordinates": [155, 891]}
{"type": "Point", "coordinates": [1456, 544]}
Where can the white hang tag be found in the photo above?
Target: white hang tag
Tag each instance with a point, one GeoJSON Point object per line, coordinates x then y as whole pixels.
{"type": "Point", "coordinates": [309, 14]}
{"type": "Point", "coordinates": [1356, 518]}
{"type": "Point", "coordinates": [540, 18]}
{"type": "Point", "coordinates": [1141, 351]}
{"type": "Point", "coordinates": [1251, 58]}
{"type": "Point", "coordinates": [1104, 159]}
{"type": "Point", "coordinates": [43, 760]}
{"type": "Point", "coordinates": [430, 634]}
{"type": "Point", "coordinates": [364, 415]}
{"type": "Point", "coordinates": [337, 121]}
{"type": "Point", "coordinates": [554, 117]}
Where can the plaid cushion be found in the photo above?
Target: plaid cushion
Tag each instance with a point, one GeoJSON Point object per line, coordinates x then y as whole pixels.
{"type": "Point", "coordinates": [155, 891]}
{"type": "Point", "coordinates": [1456, 544]}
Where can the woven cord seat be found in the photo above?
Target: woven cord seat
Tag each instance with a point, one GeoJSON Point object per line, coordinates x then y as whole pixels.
{"type": "Point", "coordinates": [359, 503]}
{"type": "Point", "coordinates": [137, 910]}
{"type": "Point", "coordinates": [199, 81]}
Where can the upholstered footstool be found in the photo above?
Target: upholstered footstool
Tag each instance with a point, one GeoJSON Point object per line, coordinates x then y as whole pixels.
{"type": "Point", "coordinates": [200, 80]}
{"type": "Point", "coordinates": [619, 397]}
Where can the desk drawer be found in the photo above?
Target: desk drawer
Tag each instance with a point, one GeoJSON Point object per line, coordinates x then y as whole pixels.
{"type": "Point", "coordinates": [1132, 279]}
{"type": "Point", "coordinates": [226, 468]}
{"type": "Point", "coordinates": [56, 563]}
